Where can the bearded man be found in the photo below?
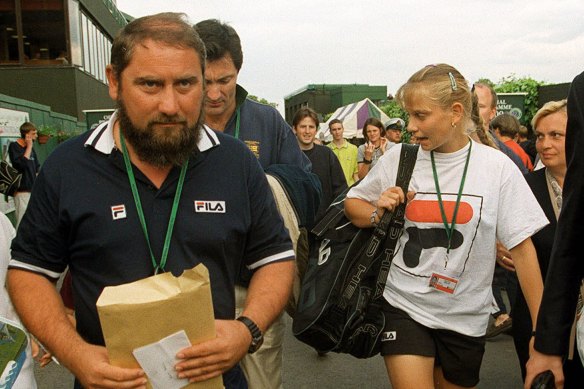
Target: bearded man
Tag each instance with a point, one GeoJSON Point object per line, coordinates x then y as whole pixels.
{"type": "Point", "coordinates": [103, 204]}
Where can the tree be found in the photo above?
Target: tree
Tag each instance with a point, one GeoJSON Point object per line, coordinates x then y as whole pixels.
{"type": "Point", "coordinates": [262, 101]}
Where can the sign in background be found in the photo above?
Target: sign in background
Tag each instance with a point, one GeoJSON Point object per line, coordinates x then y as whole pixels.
{"type": "Point", "coordinates": [511, 103]}
{"type": "Point", "coordinates": [94, 117]}
{"type": "Point", "coordinates": [10, 122]}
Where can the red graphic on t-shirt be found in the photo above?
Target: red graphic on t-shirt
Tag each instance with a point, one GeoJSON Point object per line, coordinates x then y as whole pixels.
{"type": "Point", "coordinates": [428, 211]}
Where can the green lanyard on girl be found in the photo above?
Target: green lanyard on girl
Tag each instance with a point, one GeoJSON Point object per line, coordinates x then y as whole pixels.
{"type": "Point", "coordinates": [158, 267]}
{"type": "Point", "coordinates": [449, 228]}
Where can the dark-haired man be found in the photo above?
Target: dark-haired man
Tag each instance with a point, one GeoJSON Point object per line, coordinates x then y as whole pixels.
{"type": "Point", "coordinates": [228, 109]}
{"type": "Point", "coordinates": [269, 137]}
{"type": "Point", "coordinates": [324, 162]}
{"type": "Point", "coordinates": [88, 215]}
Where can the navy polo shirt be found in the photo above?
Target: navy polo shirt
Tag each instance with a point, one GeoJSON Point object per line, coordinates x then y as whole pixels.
{"type": "Point", "coordinates": [82, 215]}
{"type": "Point", "coordinates": [266, 133]}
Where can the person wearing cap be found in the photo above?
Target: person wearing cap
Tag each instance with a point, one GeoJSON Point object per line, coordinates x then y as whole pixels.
{"type": "Point", "coordinates": [393, 130]}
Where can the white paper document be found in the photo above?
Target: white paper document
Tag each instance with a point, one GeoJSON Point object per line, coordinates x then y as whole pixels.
{"type": "Point", "coordinates": [158, 361]}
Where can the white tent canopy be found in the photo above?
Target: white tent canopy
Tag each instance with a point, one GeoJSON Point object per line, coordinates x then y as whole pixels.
{"type": "Point", "coordinates": [353, 117]}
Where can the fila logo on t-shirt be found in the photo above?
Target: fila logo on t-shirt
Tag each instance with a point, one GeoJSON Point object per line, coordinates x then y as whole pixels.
{"type": "Point", "coordinates": [389, 335]}
{"type": "Point", "coordinates": [118, 212]}
{"type": "Point", "coordinates": [209, 206]}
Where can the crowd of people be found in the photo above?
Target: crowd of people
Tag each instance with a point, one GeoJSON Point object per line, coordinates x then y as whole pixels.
{"type": "Point", "coordinates": [185, 133]}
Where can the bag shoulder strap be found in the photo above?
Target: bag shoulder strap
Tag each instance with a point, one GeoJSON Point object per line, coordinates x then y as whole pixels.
{"type": "Point", "coordinates": [385, 235]}
{"type": "Point", "coordinates": [407, 162]}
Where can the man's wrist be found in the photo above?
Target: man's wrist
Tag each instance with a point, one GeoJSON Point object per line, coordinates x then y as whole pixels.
{"type": "Point", "coordinates": [257, 337]}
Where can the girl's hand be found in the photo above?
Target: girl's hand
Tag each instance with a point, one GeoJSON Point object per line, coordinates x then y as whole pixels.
{"type": "Point", "coordinates": [391, 198]}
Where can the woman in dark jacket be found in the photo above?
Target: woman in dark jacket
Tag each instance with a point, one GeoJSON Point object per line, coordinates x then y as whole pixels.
{"type": "Point", "coordinates": [550, 129]}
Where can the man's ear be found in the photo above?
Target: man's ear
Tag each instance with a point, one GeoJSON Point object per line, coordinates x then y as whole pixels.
{"type": "Point", "coordinates": [113, 82]}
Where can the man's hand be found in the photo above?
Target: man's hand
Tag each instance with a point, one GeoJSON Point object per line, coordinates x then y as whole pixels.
{"type": "Point", "coordinates": [94, 371]}
{"type": "Point", "coordinates": [539, 362]}
{"type": "Point", "coordinates": [504, 258]}
{"type": "Point", "coordinates": [40, 353]}
{"type": "Point", "coordinates": [214, 357]}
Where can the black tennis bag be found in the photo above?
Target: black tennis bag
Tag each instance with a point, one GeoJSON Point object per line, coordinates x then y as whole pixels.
{"type": "Point", "coordinates": [341, 294]}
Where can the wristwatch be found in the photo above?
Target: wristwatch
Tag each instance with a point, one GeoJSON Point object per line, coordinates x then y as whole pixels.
{"type": "Point", "coordinates": [257, 338]}
{"type": "Point", "coordinates": [373, 218]}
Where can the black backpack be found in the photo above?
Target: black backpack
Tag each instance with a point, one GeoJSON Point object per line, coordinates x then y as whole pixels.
{"type": "Point", "coordinates": [341, 294]}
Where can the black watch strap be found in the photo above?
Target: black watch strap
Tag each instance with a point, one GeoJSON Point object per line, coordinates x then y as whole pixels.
{"type": "Point", "coordinates": [257, 338]}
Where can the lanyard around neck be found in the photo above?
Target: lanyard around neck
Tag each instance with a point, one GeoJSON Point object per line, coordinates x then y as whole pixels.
{"type": "Point", "coordinates": [157, 266]}
{"type": "Point", "coordinates": [237, 120]}
{"type": "Point", "coordinates": [450, 229]}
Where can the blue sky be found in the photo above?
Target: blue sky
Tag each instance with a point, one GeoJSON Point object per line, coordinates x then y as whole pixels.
{"type": "Point", "coordinates": [288, 44]}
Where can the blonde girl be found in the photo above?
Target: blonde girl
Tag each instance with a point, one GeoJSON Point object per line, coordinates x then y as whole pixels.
{"type": "Point", "coordinates": [462, 198]}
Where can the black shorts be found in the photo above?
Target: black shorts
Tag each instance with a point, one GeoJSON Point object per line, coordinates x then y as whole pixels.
{"type": "Point", "coordinates": [458, 355]}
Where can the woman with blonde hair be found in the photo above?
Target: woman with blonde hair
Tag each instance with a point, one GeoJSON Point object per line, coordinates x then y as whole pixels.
{"type": "Point", "coordinates": [549, 124]}
{"type": "Point", "coordinates": [438, 291]}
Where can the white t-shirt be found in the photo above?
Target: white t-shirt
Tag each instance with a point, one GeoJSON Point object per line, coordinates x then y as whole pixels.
{"type": "Point", "coordinates": [25, 378]}
{"type": "Point", "coordinates": [496, 203]}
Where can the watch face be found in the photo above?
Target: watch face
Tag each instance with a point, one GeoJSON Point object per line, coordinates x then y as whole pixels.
{"type": "Point", "coordinates": [256, 343]}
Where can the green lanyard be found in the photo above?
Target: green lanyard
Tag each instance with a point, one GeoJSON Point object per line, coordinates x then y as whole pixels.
{"type": "Point", "coordinates": [237, 119]}
{"type": "Point", "coordinates": [132, 179]}
{"type": "Point", "coordinates": [449, 229]}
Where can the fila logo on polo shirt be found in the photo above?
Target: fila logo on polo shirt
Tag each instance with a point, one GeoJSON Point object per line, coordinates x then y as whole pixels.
{"type": "Point", "coordinates": [389, 335]}
{"type": "Point", "coordinates": [118, 212]}
{"type": "Point", "coordinates": [209, 206]}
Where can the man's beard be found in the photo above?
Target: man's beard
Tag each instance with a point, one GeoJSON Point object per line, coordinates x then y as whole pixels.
{"type": "Point", "coordinates": [172, 148]}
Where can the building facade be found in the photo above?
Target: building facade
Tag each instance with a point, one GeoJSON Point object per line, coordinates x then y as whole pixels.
{"type": "Point", "coordinates": [326, 98]}
{"type": "Point", "coordinates": [54, 52]}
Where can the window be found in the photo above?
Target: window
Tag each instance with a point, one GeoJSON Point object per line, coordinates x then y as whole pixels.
{"type": "Point", "coordinates": [8, 33]}
{"type": "Point", "coordinates": [75, 33]}
{"type": "Point", "coordinates": [96, 48]}
{"type": "Point", "coordinates": [39, 29]}
{"type": "Point", "coordinates": [43, 31]}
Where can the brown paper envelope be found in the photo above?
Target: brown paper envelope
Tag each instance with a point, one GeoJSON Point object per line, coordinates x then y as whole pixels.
{"type": "Point", "coordinates": [143, 312]}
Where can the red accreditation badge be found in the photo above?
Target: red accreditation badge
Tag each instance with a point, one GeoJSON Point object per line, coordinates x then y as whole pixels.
{"type": "Point", "coordinates": [443, 283]}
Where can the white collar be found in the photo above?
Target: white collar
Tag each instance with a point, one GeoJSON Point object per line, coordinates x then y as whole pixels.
{"type": "Point", "coordinates": [102, 138]}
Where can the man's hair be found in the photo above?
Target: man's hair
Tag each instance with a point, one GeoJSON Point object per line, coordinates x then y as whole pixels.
{"type": "Point", "coordinates": [25, 128]}
{"type": "Point", "coordinates": [507, 124]}
{"type": "Point", "coordinates": [169, 28]}
{"type": "Point", "coordinates": [335, 121]}
{"type": "Point", "coordinates": [491, 89]}
{"type": "Point", "coordinates": [373, 122]}
{"type": "Point", "coordinates": [305, 112]}
{"type": "Point", "coordinates": [220, 39]}
{"type": "Point", "coordinates": [549, 108]}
